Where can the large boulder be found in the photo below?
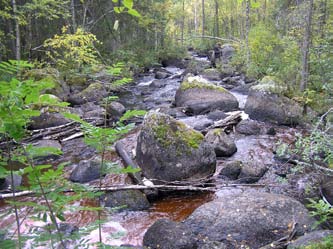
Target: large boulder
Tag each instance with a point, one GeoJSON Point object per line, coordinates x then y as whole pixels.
{"type": "Point", "coordinates": [228, 52]}
{"type": "Point", "coordinates": [46, 120]}
{"type": "Point", "coordinates": [273, 108]}
{"type": "Point", "coordinates": [311, 239]}
{"type": "Point", "coordinates": [211, 74]}
{"type": "Point", "coordinates": [266, 102]}
{"type": "Point", "coordinates": [222, 143]}
{"type": "Point", "coordinates": [199, 96]}
{"type": "Point", "coordinates": [250, 218]}
{"type": "Point", "coordinates": [93, 93]}
{"type": "Point", "coordinates": [86, 171]}
{"type": "Point", "coordinates": [167, 234]}
{"type": "Point", "coordinates": [169, 150]}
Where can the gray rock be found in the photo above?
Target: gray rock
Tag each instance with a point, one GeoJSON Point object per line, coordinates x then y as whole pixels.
{"type": "Point", "coordinates": [212, 245]}
{"type": "Point", "coordinates": [115, 109]}
{"type": "Point", "coordinates": [252, 218]}
{"type": "Point", "coordinates": [211, 74]}
{"type": "Point", "coordinates": [169, 150]}
{"type": "Point", "coordinates": [231, 169]}
{"type": "Point", "coordinates": [227, 53]}
{"type": "Point", "coordinates": [86, 171]}
{"type": "Point", "coordinates": [252, 172]}
{"type": "Point", "coordinates": [217, 115]}
{"type": "Point", "coordinates": [198, 123]}
{"type": "Point", "coordinates": [197, 67]}
{"type": "Point", "coordinates": [310, 239]}
{"type": "Point", "coordinates": [273, 108]}
{"type": "Point", "coordinates": [162, 75]}
{"type": "Point", "coordinates": [53, 144]}
{"type": "Point", "coordinates": [199, 96]}
{"type": "Point", "coordinates": [167, 234]}
{"type": "Point", "coordinates": [46, 120]}
{"type": "Point", "coordinates": [95, 92]}
{"type": "Point", "coordinates": [223, 144]}
{"type": "Point", "coordinates": [133, 200]}
{"type": "Point", "coordinates": [248, 127]}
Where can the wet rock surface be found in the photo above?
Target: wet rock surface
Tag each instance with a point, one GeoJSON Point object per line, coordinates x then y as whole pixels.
{"type": "Point", "coordinates": [168, 150]}
{"type": "Point", "coordinates": [120, 200]}
{"type": "Point", "coordinates": [311, 238]}
{"type": "Point", "coordinates": [250, 218]}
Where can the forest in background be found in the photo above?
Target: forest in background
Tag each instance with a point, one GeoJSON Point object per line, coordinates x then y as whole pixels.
{"type": "Point", "coordinates": [289, 39]}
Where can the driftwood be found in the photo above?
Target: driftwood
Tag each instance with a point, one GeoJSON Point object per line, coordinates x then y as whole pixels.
{"type": "Point", "coordinates": [229, 121]}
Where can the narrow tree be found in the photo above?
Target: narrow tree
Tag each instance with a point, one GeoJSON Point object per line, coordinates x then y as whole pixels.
{"type": "Point", "coordinates": [203, 19]}
{"type": "Point", "coordinates": [216, 26]}
{"type": "Point", "coordinates": [247, 30]}
{"type": "Point", "coordinates": [306, 48]}
{"type": "Point", "coordinates": [17, 32]}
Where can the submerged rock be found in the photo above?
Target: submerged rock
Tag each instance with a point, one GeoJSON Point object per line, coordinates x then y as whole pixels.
{"type": "Point", "coordinates": [133, 200]}
{"type": "Point", "coordinates": [199, 96]}
{"type": "Point", "coordinates": [169, 150]}
{"type": "Point", "coordinates": [249, 218]}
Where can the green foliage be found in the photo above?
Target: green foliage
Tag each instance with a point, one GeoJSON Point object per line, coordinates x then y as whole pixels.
{"type": "Point", "coordinates": [326, 243]}
{"type": "Point", "coordinates": [321, 210]}
{"type": "Point", "coordinates": [72, 51]}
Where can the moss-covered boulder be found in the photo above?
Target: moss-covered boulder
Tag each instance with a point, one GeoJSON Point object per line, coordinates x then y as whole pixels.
{"type": "Point", "coordinates": [211, 74]}
{"type": "Point", "coordinates": [199, 96]}
{"type": "Point", "coordinates": [169, 150]}
{"type": "Point", "coordinates": [314, 240]}
{"type": "Point", "coordinates": [93, 93]}
{"type": "Point", "coordinates": [60, 89]}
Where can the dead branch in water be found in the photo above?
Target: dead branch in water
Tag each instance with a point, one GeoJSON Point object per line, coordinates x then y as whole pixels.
{"type": "Point", "coordinates": [229, 121]}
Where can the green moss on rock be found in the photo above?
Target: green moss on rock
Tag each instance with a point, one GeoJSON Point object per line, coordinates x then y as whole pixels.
{"type": "Point", "coordinates": [198, 82]}
{"type": "Point", "coordinates": [171, 132]}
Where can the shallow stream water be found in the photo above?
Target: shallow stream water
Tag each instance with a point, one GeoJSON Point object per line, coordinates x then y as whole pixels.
{"type": "Point", "coordinates": [150, 93]}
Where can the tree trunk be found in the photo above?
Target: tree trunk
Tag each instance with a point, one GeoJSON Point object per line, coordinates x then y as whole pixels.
{"type": "Point", "coordinates": [74, 25]}
{"type": "Point", "coordinates": [203, 18]}
{"type": "Point", "coordinates": [247, 30]}
{"type": "Point", "coordinates": [17, 32]}
{"type": "Point", "coordinates": [195, 17]}
{"type": "Point", "coordinates": [183, 22]}
{"type": "Point", "coordinates": [217, 28]}
{"type": "Point", "coordinates": [322, 18]}
{"type": "Point", "coordinates": [305, 48]}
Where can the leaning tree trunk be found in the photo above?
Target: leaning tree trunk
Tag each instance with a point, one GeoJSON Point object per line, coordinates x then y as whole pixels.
{"type": "Point", "coordinates": [17, 32]}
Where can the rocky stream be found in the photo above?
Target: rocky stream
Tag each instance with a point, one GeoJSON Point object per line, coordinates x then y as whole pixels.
{"type": "Point", "coordinates": [214, 130]}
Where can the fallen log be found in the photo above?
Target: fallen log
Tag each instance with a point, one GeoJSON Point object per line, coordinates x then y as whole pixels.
{"type": "Point", "coordinates": [229, 121]}
{"type": "Point", "coordinates": [139, 187]}
{"type": "Point", "coordinates": [120, 149]}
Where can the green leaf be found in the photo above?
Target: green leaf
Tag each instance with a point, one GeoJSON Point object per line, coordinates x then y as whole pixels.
{"type": "Point", "coordinates": [132, 113]}
{"type": "Point", "coordinates": [133, 12]}
{"type": "Point", "coordinates": [128, 3]}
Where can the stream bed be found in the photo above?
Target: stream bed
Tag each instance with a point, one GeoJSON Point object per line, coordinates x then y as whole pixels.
{"type": "Point", "coordinates": [148, 93]}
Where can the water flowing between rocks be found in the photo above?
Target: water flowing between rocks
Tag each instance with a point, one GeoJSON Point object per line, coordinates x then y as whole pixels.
{"type": "Point", "coordinates": [150, 93]}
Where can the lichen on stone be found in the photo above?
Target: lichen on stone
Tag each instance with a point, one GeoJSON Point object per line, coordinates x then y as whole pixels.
{"type": "Point", "coordinates": [271, 84]}
{"type": "Point", "coordinates": [198, 82]}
